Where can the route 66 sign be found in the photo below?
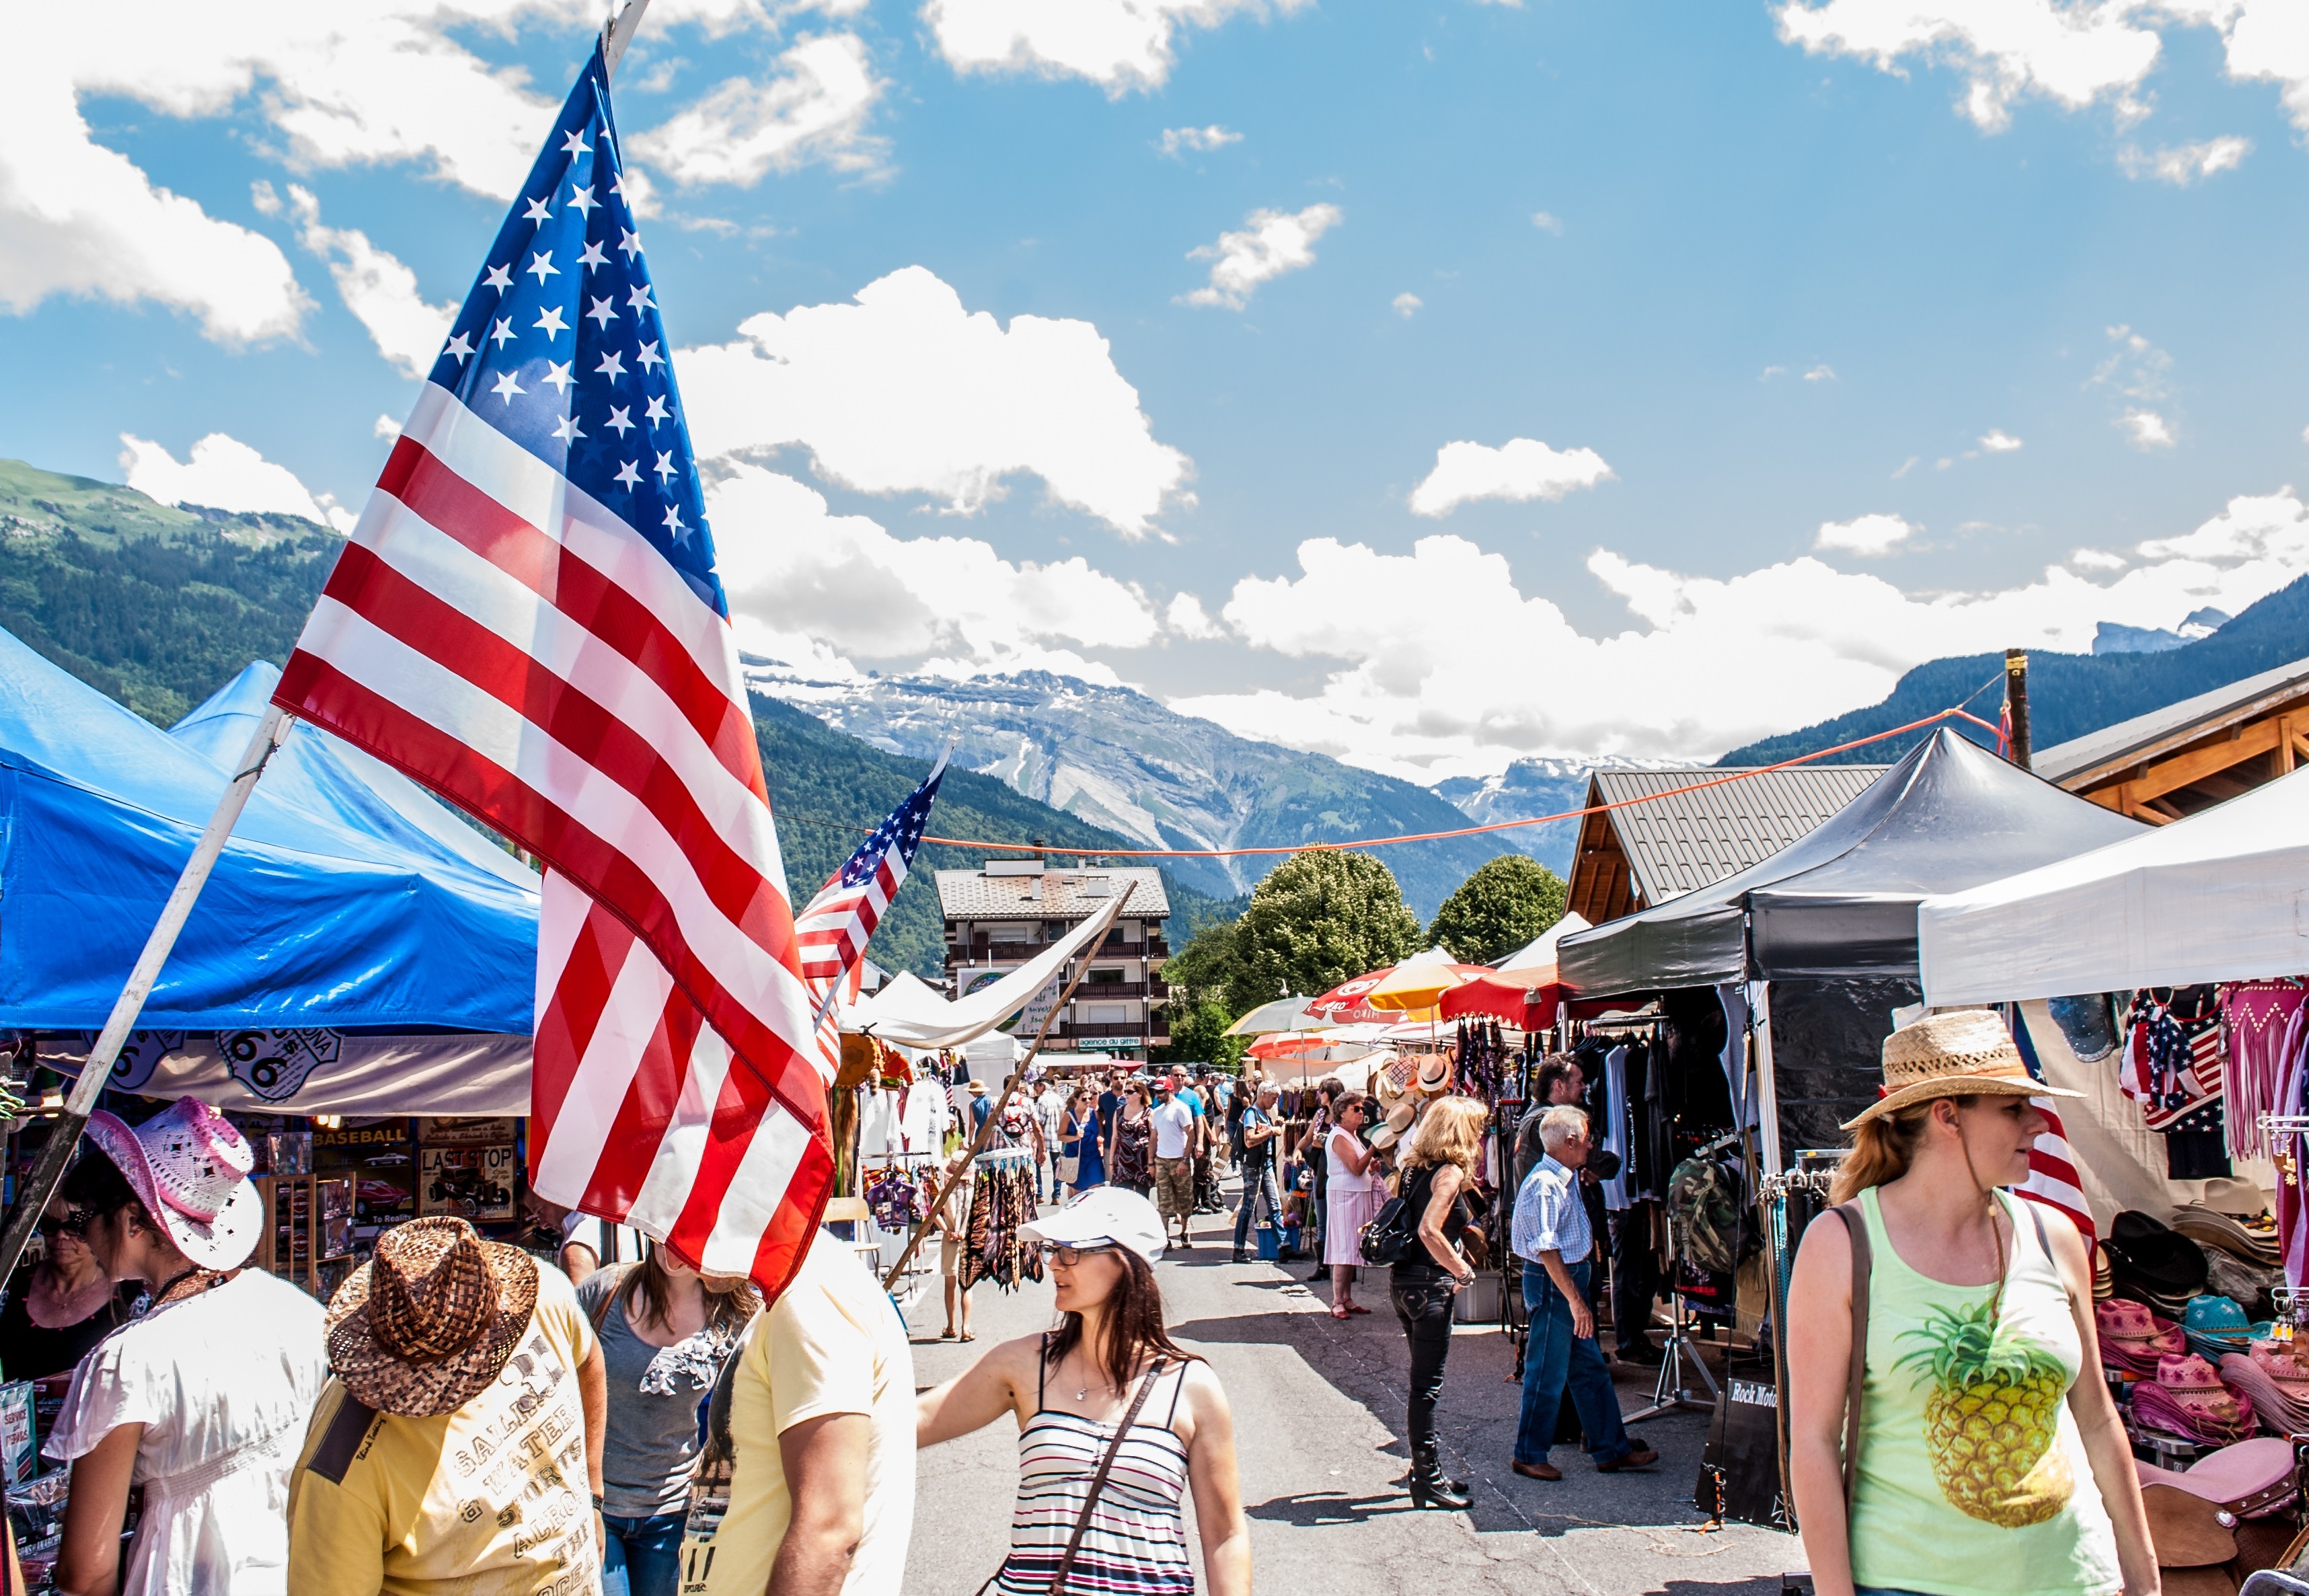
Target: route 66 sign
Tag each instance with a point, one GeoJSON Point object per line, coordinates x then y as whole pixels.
{"type": "Point", "coordinates": [274, 1064]}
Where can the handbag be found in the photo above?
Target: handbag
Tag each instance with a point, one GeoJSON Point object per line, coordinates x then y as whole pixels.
{"type": "Point", "coordinates": [1097, 1483]}
{"type": "Point", "coordinates": [1395, 1228]}
{"type": "Point", "coordinates": [1069, 1165]}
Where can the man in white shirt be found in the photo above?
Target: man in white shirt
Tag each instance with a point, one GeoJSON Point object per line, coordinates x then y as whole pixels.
{"type": "Point", "coordinates": [1174, 1129]}
{"type": "Point", "coordinates": [1050, 1108]}
{"type": "Point", "coordinates": [1550, 1234]}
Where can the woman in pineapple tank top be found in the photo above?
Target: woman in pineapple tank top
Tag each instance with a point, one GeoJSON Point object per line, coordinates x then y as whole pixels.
{"type": "Point", "coordinates": [1978, 1463]}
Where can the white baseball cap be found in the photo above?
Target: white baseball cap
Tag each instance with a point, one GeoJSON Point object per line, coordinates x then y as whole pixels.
{"type": "Point", "coordinates": [1105, 1213]}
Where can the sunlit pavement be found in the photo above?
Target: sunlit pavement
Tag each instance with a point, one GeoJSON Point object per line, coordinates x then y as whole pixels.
{"type": "Point", "coordinates": [1318, 1411]}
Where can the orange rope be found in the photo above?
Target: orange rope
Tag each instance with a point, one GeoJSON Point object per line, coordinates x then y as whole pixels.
{"type": "Point", "coordinates": [1468, 831]}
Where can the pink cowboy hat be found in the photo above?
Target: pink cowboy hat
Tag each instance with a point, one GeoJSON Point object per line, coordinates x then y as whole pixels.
{"type": "Point", "coordinates": [189, 1167]}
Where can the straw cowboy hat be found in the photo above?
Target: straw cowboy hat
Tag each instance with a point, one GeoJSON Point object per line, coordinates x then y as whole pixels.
{"type": "Point", "coordinates": [424, 1327]}
{"type": "Point", "coordinates": [189, 1166]}
{"type": "Point", "coordinates": [1964, 1053]}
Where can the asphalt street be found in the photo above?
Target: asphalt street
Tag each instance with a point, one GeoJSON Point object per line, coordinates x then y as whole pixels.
{"type": "Point", "coordinates": [1318, 1407]}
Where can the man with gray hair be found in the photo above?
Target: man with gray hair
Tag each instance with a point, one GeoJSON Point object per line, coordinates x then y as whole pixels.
{"type": "Point", "coordinates": [1551, 1235]}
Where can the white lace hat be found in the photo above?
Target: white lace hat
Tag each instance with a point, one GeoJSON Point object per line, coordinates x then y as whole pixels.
{"type": "Point", "coordinates": [189, 1166]}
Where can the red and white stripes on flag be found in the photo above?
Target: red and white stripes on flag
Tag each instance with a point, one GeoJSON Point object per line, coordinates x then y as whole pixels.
{"type": "Point", "coordinates": [506, 639]}
{"type": "Point", "coordinates": [2052, 1165]}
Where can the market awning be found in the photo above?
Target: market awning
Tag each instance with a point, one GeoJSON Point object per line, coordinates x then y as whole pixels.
{"type": "Point", "coordinates": [2221, 896]}
{"type": "Point", "coordinates": [1840, 902]}
{"type": "Point", "coordinates": [311, 919]}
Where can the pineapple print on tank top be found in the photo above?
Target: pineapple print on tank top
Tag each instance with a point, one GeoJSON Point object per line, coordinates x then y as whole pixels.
{"type": "Point", "coordinates": [1972, 1481]}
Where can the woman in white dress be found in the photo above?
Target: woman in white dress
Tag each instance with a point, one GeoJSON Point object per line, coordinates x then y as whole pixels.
{"type": "Point", "coordinates": [204, 1399]}
{"type": "Point", "coordinates": [1351, 1200]}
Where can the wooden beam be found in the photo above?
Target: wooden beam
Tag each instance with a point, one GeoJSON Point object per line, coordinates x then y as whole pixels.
{"type": "Point", "coordinates": [2286, 737]}
{"type": "Point", "coordinates": [2168, 775]}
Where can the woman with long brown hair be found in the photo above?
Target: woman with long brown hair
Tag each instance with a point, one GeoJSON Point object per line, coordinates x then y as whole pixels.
{"type": "Point", "coordinates": [1110, 1367]}
{"type": "Point", "coordinates": [1978, 1302]}
{"type": "Point", "coordinates": [666, 1330]}
{"type": "Point", "coordinates": [1438, 1172]}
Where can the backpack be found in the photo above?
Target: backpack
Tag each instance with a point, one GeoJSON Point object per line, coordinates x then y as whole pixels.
{"type": "Point", "coordinates": [1394, 1230]}
{"type": "Point", "coordinates": [1705, 1210]}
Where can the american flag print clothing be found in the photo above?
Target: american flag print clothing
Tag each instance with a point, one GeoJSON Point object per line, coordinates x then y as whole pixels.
{"type": "Point", "coordinates": [528, 620]}
{"type": "Point", "coordinates": [2052, 1177]}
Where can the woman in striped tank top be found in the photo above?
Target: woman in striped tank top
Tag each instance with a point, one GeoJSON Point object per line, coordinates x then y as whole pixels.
{"type": "Point", "coordinates": [1069, 1388]}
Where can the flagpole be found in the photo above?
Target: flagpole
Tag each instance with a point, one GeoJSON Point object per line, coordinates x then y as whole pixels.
{"type": "Point", "coordinates": [994, 1115]}
{"type": "Point", "coordinates": [619, 33]}
{"type": "Point", "coordinates": [272, 732]}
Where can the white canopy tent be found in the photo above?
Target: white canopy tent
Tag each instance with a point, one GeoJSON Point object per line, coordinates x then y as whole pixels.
{"type": "Point", "coordinates": [2220, 896]}
{"type": "Point", "coordinates": [908, 1013]}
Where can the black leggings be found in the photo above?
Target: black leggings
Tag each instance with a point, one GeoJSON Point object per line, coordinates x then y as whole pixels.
{"type": "Point", "coordinates": [1421, 1295]}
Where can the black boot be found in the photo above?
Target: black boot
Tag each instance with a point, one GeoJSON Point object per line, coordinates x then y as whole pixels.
{"type": "Point", "coordinates": [1429, 1488]}
{"type": "Point", "coordinates": [1457, 1487]}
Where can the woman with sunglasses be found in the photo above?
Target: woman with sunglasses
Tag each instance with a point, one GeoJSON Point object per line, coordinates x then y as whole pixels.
{"type": "Point", "coordinates": [60, 1307]}
{"type": "Point", "coordinates": [1109, 1363]}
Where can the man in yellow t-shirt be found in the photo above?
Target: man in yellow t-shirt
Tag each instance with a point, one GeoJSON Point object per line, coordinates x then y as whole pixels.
{"type": "Point", "coordinates": [822, 1419]}
{"type": "Point", "coordinates": [459, 1438]}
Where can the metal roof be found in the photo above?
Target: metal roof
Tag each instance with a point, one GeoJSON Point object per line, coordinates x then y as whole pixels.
{"type": "Point", "coordinates": [1068, 894]}
{"type": "Point", "coordinates": [2126, 743]}
{"type": "Point", "coordinates": [1680, 843]}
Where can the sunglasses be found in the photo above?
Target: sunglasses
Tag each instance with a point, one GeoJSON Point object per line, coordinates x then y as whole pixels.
{"type": "Point", "coordinates": [1067, 1257]}
{"type": "Point", "coordinates": [74, 1222]}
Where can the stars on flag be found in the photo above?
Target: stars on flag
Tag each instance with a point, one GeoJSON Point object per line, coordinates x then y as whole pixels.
{"type": "Point", "coordinates": [582, 200]}
{"type": "Point", "coordinates": [537, 211]}
{"type": "Point", "coordinates": [613, 367]}
{"type": "Point", "coordinates": [497, 277]}
{"type": "Point", "coordinates": [542, 262]}
{"type": "Point", "coordinates": [507, 389]}
{"type": "Point", "coordinates": [603, 313]}
{"type": "Point", "coordinates": [592, 256]}
{"type": "Point", "coordinates": [549, 319]}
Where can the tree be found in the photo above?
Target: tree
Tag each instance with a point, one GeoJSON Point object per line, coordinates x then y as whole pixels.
{"type": "Point", "coordinates": [1322, 917]}
{"type": "Point", "coordinates": [1195, 1013]}
{"type": "Point", "coordinates": [1504, 905]}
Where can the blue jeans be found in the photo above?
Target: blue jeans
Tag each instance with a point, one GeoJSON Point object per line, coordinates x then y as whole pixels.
{"type": "Point", "coordinates": [1257, 1184]}
{"type": "Point", "coordinates": [642, 1556]}
{"type": "Point", "coordinates": [1552, 1359]}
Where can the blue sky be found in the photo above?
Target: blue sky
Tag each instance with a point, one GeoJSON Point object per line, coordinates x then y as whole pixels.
{"type": "Point", "coordinates": [1838, 336]}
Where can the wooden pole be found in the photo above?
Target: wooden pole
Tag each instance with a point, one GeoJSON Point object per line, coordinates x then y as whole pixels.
{"type": "Point", "coordinates": [2016, 702]}
{"type": "Point", "coordinates": [272, 730]}
{"type": "Point", "coordinates": [994, 1114]}
{"type": "Point", "coordinates": [619, 33]}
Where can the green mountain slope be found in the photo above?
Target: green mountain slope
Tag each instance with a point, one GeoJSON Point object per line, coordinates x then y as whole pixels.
{"type": "Point", "coordinates": [156, 606]}
{"type": "Point", "coordinates": [2069, 694]}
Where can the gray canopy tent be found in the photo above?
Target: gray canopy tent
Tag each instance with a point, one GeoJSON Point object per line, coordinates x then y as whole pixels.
{"type": "Point", "coordinates": [1830, 922]}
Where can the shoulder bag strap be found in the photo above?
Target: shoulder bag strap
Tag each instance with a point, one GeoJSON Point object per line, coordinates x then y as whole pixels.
{"type": "Point", "coordinates": [610, 1297]}
{"type": "Point", "coordinates": [1855, 1226]}
{"type": "Point", "coordinates": [1098, 1481]}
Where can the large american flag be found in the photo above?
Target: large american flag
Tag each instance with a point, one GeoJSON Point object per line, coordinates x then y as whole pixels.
{"type": "Point", "coordinates": [2052, 1164]}
{"type": "Point", "coordinates": [527, 620]}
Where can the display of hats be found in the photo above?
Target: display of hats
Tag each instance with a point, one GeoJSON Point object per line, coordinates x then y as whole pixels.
{"type": "Point", "coordinates": [2252, 1479]}
{"type": "Point", "coordinates": [2254, 1240]}
{"type": "Point", "coordinates": [2133, 1339]}
{"type": "Point", "coordinates": [2276, 1381]}
{"type": "Point", "coordinates": [2215, 1326]}
{"type": "Point", "coordinates": [2187, 1399]}
{"type": "Point", "coordinates": [2153, 1263]}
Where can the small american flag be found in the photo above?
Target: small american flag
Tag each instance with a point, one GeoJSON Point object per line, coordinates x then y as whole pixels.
{"type": "Point", "coordinates": [528, 620]}
{"type": "Point", "coordinates": [833, 930]}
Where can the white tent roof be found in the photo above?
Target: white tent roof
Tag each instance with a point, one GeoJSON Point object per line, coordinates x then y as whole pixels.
{"type": "Point", "coordinates": [1534, 965]}
{"type": "Point", "coordinates": [2221, 896]}
{"type": "Point", "coordinates": [909, 1012]}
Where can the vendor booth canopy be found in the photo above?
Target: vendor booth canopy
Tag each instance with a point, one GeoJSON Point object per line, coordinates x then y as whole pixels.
{"type": "Point", "coordinates": [2221, 896]}
{"type": "Point", "coordinates": [1839, 903]}
{"type": "Point", "coordinates": [315, 918]}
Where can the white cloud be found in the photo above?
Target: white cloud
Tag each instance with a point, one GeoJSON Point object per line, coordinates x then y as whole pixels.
{"type": "Point", "coordinates": [384, 426]}
{"type": "Point", "coordinates": [902, 391]}
{"type": "Point", "coordinates": [1272, 242]}
{"type": "Point", "coordinates": [794, 573]}
{"type": "Point", "coordinates": [815, 109]}
{"type": "Point", "coordinates": [2184, 164]}
{"type": "Point", "coordinates": [1204, 139]}
{"type": "Point", "coordinates": [223, 473]}
{"type": "Point", "coordinates": [1119, 45]}
{"type": "Point", "coordinates": [1866, 534]}
{"type": "Point", "coordinates": [2098, 559]}
{"type": "Point", "coordinates": [1407, 305]}
{"type": "Point", "coordinates": [2264, 39]}
{"type": "Point", "coordinates": [374, 285]}
{"type": "Point", "coordinates": [1424, 700]}
{"type": "Point", "coordinates": [1820, 374]}
{"type": "Point", "coordinates": [1997, 441]}
{"type": "Point", "coordinates": [1546, 223]}
{"type": "Point", "coordinates": [2146, 429]}
{"type": "Point", "coordinates": [1522, 468]}
{"type": "Point", "coordinates": [2074, 54]}
{"type": "Point", "coordinates": [1187, 616]}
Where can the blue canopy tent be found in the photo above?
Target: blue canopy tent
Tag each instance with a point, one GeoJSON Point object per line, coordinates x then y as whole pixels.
{"type": "Point", "coordinates": [349, 923]}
